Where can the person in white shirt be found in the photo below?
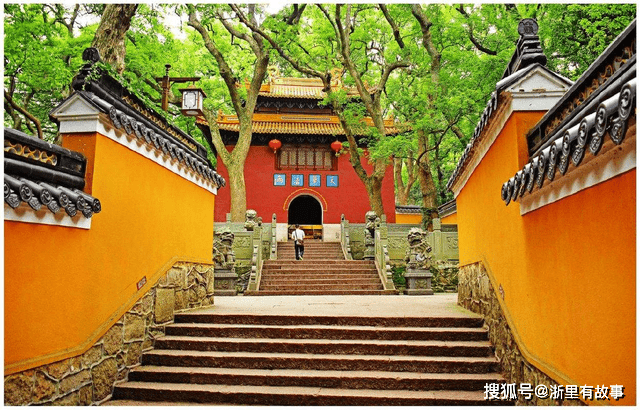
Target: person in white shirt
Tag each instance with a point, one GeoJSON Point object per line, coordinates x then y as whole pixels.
{"type": "Point", "coordinates": [298, 236]}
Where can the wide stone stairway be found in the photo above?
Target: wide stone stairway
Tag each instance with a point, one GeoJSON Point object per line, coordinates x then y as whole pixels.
{"type": "Point", "coordinates": [323, 271]}
{"type": "Point", "coordinates": [220, 357]}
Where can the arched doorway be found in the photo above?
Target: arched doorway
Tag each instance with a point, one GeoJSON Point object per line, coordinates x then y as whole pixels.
{"type": "Point", "coordinates": [305, 210]}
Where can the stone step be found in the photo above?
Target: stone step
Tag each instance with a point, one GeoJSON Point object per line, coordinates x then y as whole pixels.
{"type": "Point", "coordinates": [274, 279]}
{"type": "Point", "coordinates": [312, 249]}
{"type": "Point", "coordinates": [327, 346]}
{"type": "Point", "coordinates": [310, 256]}
{"type": "Point", "coordinates": [334, 332]}
{"type": "Point", "coordinates": [319, 292]}
{"type": "Point", "coordinates": [316, 255]}
{"type": "Point", "coordinates": [341, 379]}
{"type": "Point", "coordinates": [274, 360]}
{"type": "Point", "coordinates": [331, 276]}
{"type": "Point", "coordinates": [304, 287]}
{"type": "Point", "coordinates": [326, 262]}
{"type": "Point", "coordinates": [311, 243]}
{"type": "Point", "coordinates": [336, 272]}
{"type": "Point", "coordinates": [293, 395]}
{"type": "Point", "coordinates": [416, 323]}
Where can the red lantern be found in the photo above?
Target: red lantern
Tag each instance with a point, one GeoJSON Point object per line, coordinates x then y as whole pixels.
{"type": "Point", "coordinates": [336, 146]}
{"type": "Point", "coordinates": [275, 145]}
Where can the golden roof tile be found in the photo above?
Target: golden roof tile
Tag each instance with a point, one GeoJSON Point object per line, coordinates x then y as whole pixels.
{"type": "Point", "coordinates": [289, 87]}
{"type": "Point", "coordinates": [296, 124]}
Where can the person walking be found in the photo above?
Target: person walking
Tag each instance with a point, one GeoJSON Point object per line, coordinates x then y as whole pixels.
{"type": "Point", "coordinates": [298, 236]}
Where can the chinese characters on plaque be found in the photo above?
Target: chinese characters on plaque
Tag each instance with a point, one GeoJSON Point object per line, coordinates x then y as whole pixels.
{"type": "Point", "coordinates": [297, 180]}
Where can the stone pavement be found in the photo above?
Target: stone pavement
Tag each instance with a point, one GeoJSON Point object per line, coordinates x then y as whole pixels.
{"type": "Point", "coordinates": [442, 305]}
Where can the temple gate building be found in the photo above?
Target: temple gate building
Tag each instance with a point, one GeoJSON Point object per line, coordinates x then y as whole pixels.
{"type": "Point", "coordinates": [303, 181]}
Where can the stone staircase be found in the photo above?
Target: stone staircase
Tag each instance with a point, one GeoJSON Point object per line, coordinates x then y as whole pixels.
{"type": "Point", "coordinates": [313, 250]}
{"type": "Point", "coordinates": [259, 359]}
{"type": "Point", "coordinates": [324, 271]}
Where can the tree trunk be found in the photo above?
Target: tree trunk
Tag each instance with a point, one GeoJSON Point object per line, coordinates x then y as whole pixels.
{"type": "Point", "coordinates": [427, 186]}
{"type": "Point", "coordinates": [244, 107]}
{"type": "Point", "coordinates": [110, 36]}
{"type": "Point", "coordinates": [403, 190]}
{"type": "Point", "coordinates": [374, 191]}
{"type": "Point", "coordinates": [401, 193]}
{"type": "Point", "coordinates": [238, 190]}
{"type": "Point", "coordinates": [441, 183]}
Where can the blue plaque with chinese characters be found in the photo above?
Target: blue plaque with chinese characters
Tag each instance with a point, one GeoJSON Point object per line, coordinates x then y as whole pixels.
{"type": "Point", "coordinates": [332, 180]}
{"type": "Point", "coordinates": [297, 180]}
{"type": "Point", "coordinates": [279, 180]}
{"type": "Point", "coordinates": [314, 180]}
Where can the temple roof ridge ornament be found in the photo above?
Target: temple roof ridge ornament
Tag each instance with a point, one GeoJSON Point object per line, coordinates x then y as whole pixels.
{"type": "Point", "coordinates": [564, 144]}
{"type": "Point", "coordinates": [525, 77]}
{"type": "Point", "coordinates": [528, 48]}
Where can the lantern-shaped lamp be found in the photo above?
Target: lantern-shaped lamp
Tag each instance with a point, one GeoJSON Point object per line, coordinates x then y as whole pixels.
{"type": "Point", "coordinates": [275, 145]}
{"type": "Point", "coordinates": [336, 146]}
{"type": "Point", "coordinates": [192, 98]}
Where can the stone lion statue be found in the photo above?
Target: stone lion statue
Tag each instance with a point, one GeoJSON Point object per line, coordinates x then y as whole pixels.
{"type": "Point", "coordinates": [251, 220]}
{"type": "Point", "coordinates": [419, 251]}
{"type": "Point", "coordinates": [370, 227]}
{"type": "Point", "coordinates": [223, 254]}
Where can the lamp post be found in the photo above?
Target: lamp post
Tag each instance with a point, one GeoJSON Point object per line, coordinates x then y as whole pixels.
{"type": "Point", "coordinates": [165, 83]}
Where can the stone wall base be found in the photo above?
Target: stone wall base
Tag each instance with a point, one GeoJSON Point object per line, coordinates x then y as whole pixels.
{"type": "Point", "coordinates": [476, 293]}
{"type": "Point", "coordinates": [89, 378]}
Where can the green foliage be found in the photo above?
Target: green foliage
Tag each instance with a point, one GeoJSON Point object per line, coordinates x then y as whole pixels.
{"type": "Point", "coordinates": [42, 54]}
{"type": "Point", "coordinates": [397, 275]}
{"type": "Point", "coordinates": [574, 35]}
{"type": "Point", "coordinates": [40, 59]}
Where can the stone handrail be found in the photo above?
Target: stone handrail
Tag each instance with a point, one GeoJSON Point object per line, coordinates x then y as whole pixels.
{"type": "Point", "coordinates": [443, 239]}
{"type": "Point", "coordinates": [256, 259]}
{"type": "Point", "coordinates": [273, 243]}
{"type": "Point", "coordinates": [344, 238]}
{"type": "Point", "coordinates": [382, 260]}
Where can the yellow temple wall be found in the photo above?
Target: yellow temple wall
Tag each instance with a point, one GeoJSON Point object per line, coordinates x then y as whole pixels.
{"type": "Point", "coordinates": [408, 218]}
{"type": "Point", "coordinates": [565, 274]}
{"type": "Point", "coordinates": [65, 287]}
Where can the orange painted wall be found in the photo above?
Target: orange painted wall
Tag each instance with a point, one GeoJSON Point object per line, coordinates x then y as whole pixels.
{"type": "Point", "coordinates": [568, 269]}
{"type": "Point", "coordinates": [450, 219]}
{"type": "Point", "coordinates": [408, 218]}
{"type": "Point", "coordinates": [65, 286]}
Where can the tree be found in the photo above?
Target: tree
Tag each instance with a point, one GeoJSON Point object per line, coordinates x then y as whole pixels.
{"type": "Point", "coordinates": [342, 37]}
{"type": "Point", "coordinates": [41, 55]}
{"type": "Point", "coordinates": [453, 72]}
{"type": "Point", "coordinates": [433, 66]}
{"type": "Point", "coordinates": [110, 36]}
{"type": "Point", "coordinates": [217, 19]}
{"type": "Point", "coordinates": [574, 35]}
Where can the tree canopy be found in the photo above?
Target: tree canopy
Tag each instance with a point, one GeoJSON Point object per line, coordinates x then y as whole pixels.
{"type": "Point", "coordinates": [431, 66]}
